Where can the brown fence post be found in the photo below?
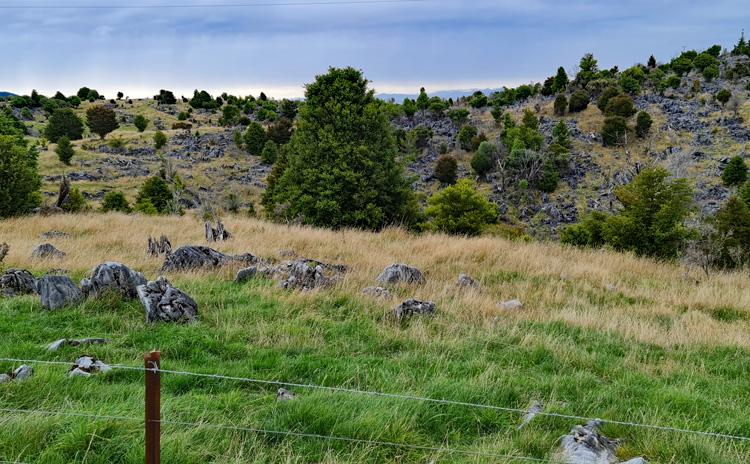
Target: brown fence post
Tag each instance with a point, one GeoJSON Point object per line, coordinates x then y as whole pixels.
{"type": "Point", "coordinates": [153, 408]}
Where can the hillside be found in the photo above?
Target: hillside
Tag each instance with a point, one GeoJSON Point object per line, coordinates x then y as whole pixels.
{"type": "Point", "coordinates": [600, 334]}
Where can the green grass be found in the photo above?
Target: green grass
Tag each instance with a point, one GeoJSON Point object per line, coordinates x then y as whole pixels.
{"type": "Point", "coordinates": [338, 340]}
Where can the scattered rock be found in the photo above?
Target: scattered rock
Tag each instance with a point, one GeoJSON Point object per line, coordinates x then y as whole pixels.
{"type": "Point", "coordinates": [50, 234]}
{"type": "Point", "coordinates": [21, 373]}
{"type": "Point", "coordinates": [531, 413]}
{"type": "Point", "coordinates": [5, 378]}
{"type": "Point", "coordinates": [219, 234]}
{"type": "Point", "coordinates": [585, 445]}
{"type": "Point", "coordinates": [112, 276]}
{"type": "Point", "coordinates": [377, 292]}
{"type": "Point", "coordinates": [284, 395]}
{"type": "Point", "coordinates": [410, 308]}
{"type": "Point", "coordinates": [57, 292]}
{"type": "Point", "coordinates": [165, 303]}
{"type": "Point", "coordinates": [57, 344]}
{"type": "Point", "coordinates": [196, 257]}
{"type": "Point", "coordinates": [305, 275]}
{"type": "Point", "coordinates": [610, 287]}
{"type": "Point", "coordinates": [466, 281]}
{"type": "Point", "coordinates": [87, 365]}
{"type": "Point", "coordinates": [46, 250]}
{"type": "Point", "coordinates": [511, 305]}
{"type": "Point", "coordinates": [243, 275]}
{"type": "Point", "coordinates": [4, 249]}
{"type": "Point", "coordinates": [16, 282]}
{"type": "Point", "coordinates": [159, 247]}
{"type": "Point", "coordinates": [401, 273]}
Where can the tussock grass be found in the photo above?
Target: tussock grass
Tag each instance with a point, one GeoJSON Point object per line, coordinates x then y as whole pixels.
{"type": "Point", "coordinates": [601, 335]}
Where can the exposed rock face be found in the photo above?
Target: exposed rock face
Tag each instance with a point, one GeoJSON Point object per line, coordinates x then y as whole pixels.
{"type": "Point", "coordinates": [243, 275]}
{"type": "Point", "coordinates": [305, 275]}
{"type": "Point", "coordinates": [85, 366]}
{"type": "Point", "coordinates": [4, 249]}
{"type": "Point", "coordinates": [15, 282]}
{"type": "Point", "coordinates": [159, 247]}
{"type": "Point", "coordinates": [112, 276]}
{"type": "Point", "coordinates": [466, 281]}
{"type": "Point", "coordinates": [57, 292]}
{"type": "Point", "coordinates": [46, 250]}
{"type": "Point", "coordinates": [218, 234]}
{"type": "Point", "coordinates": [401, 273]}
{"type": "Point", "coordinates": [196, 257]}
{"type": "Point", "coordinates": [377, 292]}
{"type": "Point", "coordinates": [165, 303]}
{"type": "Point", "coordinates": [50, 234]}
{"type": "Point", "coordinates": [57, 344]}
{"type": "Point", "coordinates": [411, 308]}
{"type": "Point", "coordinates": [585, 445]}
{"type": "Point", "coordinates": [511, 305]}
{"type": "Point", "coordinates": [21, 373]}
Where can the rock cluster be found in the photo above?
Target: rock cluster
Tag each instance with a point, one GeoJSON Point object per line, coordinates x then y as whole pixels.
{"type": "Point", "coordinates": [305, 275]}
{"type": "Point", "coordinates": [46, 250]}
{"type": "Point", "coordinates": [115, 277]}
{"type": "Point", "coordinates": [57, 292]}
{"type": "Point", "coordinates": [166, 303]}
{"type": "Point", "coordinates": [197, 257]}
{"type": "Point", "coordinates": [411, 308]}
{"type": "Point", "coordinates": [216, 234]}
{"type": "Point", "coordinates": [16, 282]}
{"type": "Point", "coordinates": [85, 366]}
{"type": "Point", "coordinates": [377, 292]}
{"type": "Point", "coordinates": [21, 373]}
{"type": "Point", "coordinates": [401, 273]}
{"type": "Point", "coordinates": [585, 445]}
{"type": "Point", "coordinates": [159, 247]}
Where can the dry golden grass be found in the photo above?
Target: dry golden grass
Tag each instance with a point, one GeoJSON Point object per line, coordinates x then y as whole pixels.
{"type": "Point", "coordinates": [640, 299]}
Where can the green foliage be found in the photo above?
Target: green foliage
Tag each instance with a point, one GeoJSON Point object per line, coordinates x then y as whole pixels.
{"type": "Point", "coordinates": [459, 116]}
{"type": "Point", "coordinates": [280, 131]}
{"type": "Point", "coordinates": [465, 136]}
{"type": "Point", "coordinates": [735, 173]}
{"type": "Point", "coordinates": [341, 160]}
{"type": "Point", "coordinates": [255, 138]}
{"type": "Point", "coordinates": [140, 122]}
{"type": "Point", "coordinates": [101, 120]}
{"type": "Point", "coordinates": [579, 101]}
{"type": "Point", "coordinates": [270, 152]}
{"type": "Point", "coordinates": [446, 169]}
{"type": "Point", "coordinates": [630, 85]}
{"type": "Point", "coordinates": [484, 158]}
{"type": "Point", "coordinates": [711, 72]}
{"type": "Point", "coordinates": [478, 100]}
{"type": "Point", "coordinates": [423, 101]}
{"type": "Point", "coordinates": [409, 107]}
{"type": "Point", "coordinates": [549, 178]}
{"type": "Point", "coordinates": [586, 233]}
{"type": "Point", "coordinates": [560, 105]}
{"type": "Point", "coordinates": [732, 224]}
{"type": "Point", "coordinates": [64, 150]}
{"type": "Point", "coordinates": [588, 67]}
{"type": "Point", "coordinates": [63, 122]}
{"type": "Point", "coordinates": [673, 81]}
{"type": "Point", "coordinates": [643, 124]}
{"type": "Point", "coordinates": [526, 135]}
{"type": "Point", "coordinates": [115, 201]}
{"type": "Point", "coordinates": [561, 80]}
{"type": "Point", "coordinates": [144, 206]}
{"type": "Point", "coordinates": [165, 97]}
{"type": "Point", "coordinates": [182, 116]}
{"type": "Point", "coordinates": [681, 65]}
{"type": "Point", "coordinates": [723, 96]}
{"type": "Point", "coordinates": [714, 50]}
{"type": "Point", "coordinates": [155, 191]}
{"type": "Point", "coordinates": [561, 135]}
{"type": "Point", "coordinates": [160, 139]}
{"type": "Point", "coordinates": [620, 105]}
{"type": "Point", "coordinates": [422, 136]}
{"type": "Point", "coordinates": [9, 124]}
{"type": "Point", "coordinates": [744, 193]}
{"type": "Point", "coordinates": [460, 209]}
{"type": "Point", "coordinates": [614, 131]}
{"type": "Point", "coordinates": [76, 202]}
{"type": "Point", "coordinates": [230, 116]}
{"type": "Point", "coordinates": [203, 100]}
{"type": "Point", "coordinates": [704, 60]}
{"type": "Point", "coordinates": [19, 189]}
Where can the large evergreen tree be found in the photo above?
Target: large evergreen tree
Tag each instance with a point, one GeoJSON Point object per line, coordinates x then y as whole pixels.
{"type": "Point", "coordinates": [341, 161]}
{"type": "Point", "coordinates": [101, 120]}
{"type": "Point", "coordinates": [19, 189]}
{"type": "Point", "coordinates": [63, 122]}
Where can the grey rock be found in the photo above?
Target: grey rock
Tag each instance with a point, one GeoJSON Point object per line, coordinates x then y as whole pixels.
{"type": "Point", "coordinates": [22, 372]}
{"type": "Point", "coordinates": [87, 365]}
{"type": "Point", "coordinates": [4, 249]}
{"type": "Point", "coordinates": [57, 344]}
{"type": "Point", "coordinates": [585, 445]}
{"type": "Point", "coordinates": [531, 413]}
{"type": "Point", "coordinates": [197, 257]}
{"type": "Point", "coordinates": [511, 305]}
{"type": "Point", "coordinates": [377, 292]}
{"type": "Point", "coordinates": [401, 273]}
{"type": "Point", "coordinates": [57, 292]}
{"type": "Point", "coordinates": [112, 276]}
{"type": "Point", "coordinates": [305, 275]}
{"type": "Point", "coordinates": [50, 234]}
{"type": "Point", "coordinates": [46, 250]}
{"type": "Point", "coordinates": [217, 234]}
{"type": "Point", "coordinates": [284, 395]}
{"type": "Point", "coordinates": [411, 308]}
{"type": "Point", "coordinates": [162, 246]}
{"type": "Point", "coordinates": [15, 282]}
{"type": "Point", "coordinates": [243, 275]}
{"type": "Point", "coordinates": [5, 378]}
{"type": "Point", "coordinates": [466, 281]}
{"type": "Point", "coordinates": [165, 303]}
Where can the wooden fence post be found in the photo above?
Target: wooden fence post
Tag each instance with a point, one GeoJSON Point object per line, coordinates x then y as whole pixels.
{"type": "Point", "coordinates": [153, 408]}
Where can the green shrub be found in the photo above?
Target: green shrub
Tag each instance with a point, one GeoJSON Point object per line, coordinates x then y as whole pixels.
{"type": "Point", "coordinates": [465, 136]}
{"type": "Point", "coordinates": [630, 85]}
{"type": "Point", "coordinates": [101, 120]}
{"type": "Point", "coordinates": [255, 139]}
{"type": "Point", "coordinates": [484, 158]}
{"type": "Point", "coordinates": [732, 225]}
{"type": "Point", "coordinates": [140, 122]}
{"type": "Point", "coordinates": [620, 105]}
{"type": "Point", "coordinates": [723, 96]}
{"type": "Point", "coordinates": [63, 122]}
{"type": "Point", "coordinates": [422, 136]}
{"type": "Point", "coordinates": [643, 124]}
{"type": "Point", "coordinates": [711, 72]}
{"type": "Point", "coordinates": [477, 140]}
{"type": "Point", "coordinates": [76, 202]}
{"type": "Point", "coordinates": [744, 193]}
{"type": "Point", "coordinates": [704, 60]}
{"type": "Point", "coordinates": [560, 105]}
{"type": "Point", "coordinates": [155, 191]}
{"type": "Point", "coordinates": [144, 206]}
{"type": "Point", "coordinates": [270, 152]}
{"type": "Point", "coordinates": [19, 189]}
{"type": "Point", "coordinates": [460, 209]}
{"type": "Point", "coordinates": [549, 178]}
{"type": "Point", "coordinates": [736, 172]}
{"type": "Point", "coordinates": [579, 101]}
{"type": "Point", "coordinates": [160, 139]}
{"type": "Point", "coordinates": [614, 131]}
{"type": "Point", "coordinates": [64, 150]}
{"type": "Point", "coordinates": [587, 233]}
{"type": "Point", "coordinates": [182, 116]}
{"type": "Point", "coordinates": [673, 81]}
{"type": "Point", "coordinates": [115, 201]}
{"type": "Point", "coordinates": [446, 169]}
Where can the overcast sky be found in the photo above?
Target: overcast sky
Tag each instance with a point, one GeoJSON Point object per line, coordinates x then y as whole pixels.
{"type": "Point", "coordinates": [441, 44]}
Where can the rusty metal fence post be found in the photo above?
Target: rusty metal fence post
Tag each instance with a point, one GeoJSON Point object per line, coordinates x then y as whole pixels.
{"type": "Point", "coordinates": [152, 363]}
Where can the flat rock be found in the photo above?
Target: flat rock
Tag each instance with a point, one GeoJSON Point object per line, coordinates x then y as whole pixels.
{"type": "Point", "coordinates": [20, 373]}
{"type": "Point", "coordinates": [57, 292]}
{"type": "Point", "coordinates": [511, 305]}
{"type": "Point", "coordinates": [411, 308]}
{"type": "Point", "coordinates": [85, 366]}
{"type": "Point", "coordinates": [377, 292]}
{"type": "Point", "coordinates": [57, 344]}
{"type": "Point", "coordinates": [15, 282]}
{"type": "Point", "coordinates": [401, 273]}
{"type": "Point", "coordinates": [245, 274]}
{"type": "Point", "coordinates": [45, 251]}
{"type": "Point", "coordinates": [196, 257]}
{"type": "Point", "coordinates": [115, 277]}
{"type": "Point", "coordinates": [50, 234]}
{"type": "Point", "coordinates": [166, 303]}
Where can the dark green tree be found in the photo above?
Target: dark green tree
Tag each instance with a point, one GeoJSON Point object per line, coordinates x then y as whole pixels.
{"type": "Point", "coordinates": [614, 131]}
{"type": "Point", "coordinates": [736, 172]}
{"type": "Point", "coordinates": [64, 150]}
{"type": "Point", "coordinates": [620, 105]}
{"type": "Point", "coordinates": [732, 224]}
{"type": "Point", "coordinates": [423, 101]}
{"type": "Point", "coordinates": [255, 138]}
{"type": "Point", "coordinates": [723, 96]}
{"type": "Point", "coordinates": [341, 160]}
{"type": "Point", "coordinates": [651, 62]}
{"type": "Point", "coordinates": [270, 152]}
{"type": "Point", "coordinates": [446, 170]}
{"type": "Point", "coordinates": [460, 209]}
{"type": "Point", "coordinates": [140, 122]}
{"type": "Point", "coordinates": [63, 122]}
{"type": "Point", "coordinates": [484, 159]}
{"type": "Point", "coordinates": [643, 124]}
{"type": "Point", "coordinates": [101, 120]}
{"type": "Point", "coordinates": [560, 105]}
{"type": "Point", "coordinates": [561, 80]}
{"type": "Point", "coordinates": [465, 136]}
{"type": "Point", "coordinates": [115, 201]}
{"type": "Point", "coordinates": [579, 101]}
{"type": "Point", "coordinates": [19, 189]}
{"type": "Point", "coordinates": [155, 191]}
{"type": "Point", "coordinates": [160, 139]}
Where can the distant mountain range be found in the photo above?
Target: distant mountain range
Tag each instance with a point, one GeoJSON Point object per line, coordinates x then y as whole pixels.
{"type": "Point", "coordinates": [444, 94]}
{"type": "Point", "coordinates": [6, 94]}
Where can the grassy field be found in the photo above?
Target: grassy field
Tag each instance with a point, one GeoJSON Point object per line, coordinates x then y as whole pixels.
{"type": "Point", "coordinates": [600, 335]}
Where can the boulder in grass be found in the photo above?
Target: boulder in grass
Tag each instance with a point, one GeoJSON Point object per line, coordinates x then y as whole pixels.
{"type": "Point", "coordinates": [465, 281]}
{"type": "Point", "coordinates": [163, 302]}
{"type": "Point", "coordinates": [47, 251]}
{"type": "Point", "coordinates": [401, 273]}
{"type": "Point", "coordinates": [86, 366]}
{"type": "Point", "coordinates": [191, 257]}
{"type": "Point", "coordinates": [57, 344]}
{"type": "Point", "coordinates": [511, 305]}
{"type": "Point", "coordinates": [14, 282]}
{"type": "Point", "coordinates": [21, 373]}
{"type": "Point", "coordinates": [57, 292]}
{"type": "Point", "coordinates": [245, 274]}
{"type": "Point", "coordinates": [112, 276]}
{"type": "Point", "coordinates": [377, 292]}
{"type": "Point", "coordinates": [305, 275]}
{"type": "Point", "coordinates": [585, 445]}
{"type": "Point", "coordinates": [411, 308]}
{"type": "Point", "coordinates": [284, 395]}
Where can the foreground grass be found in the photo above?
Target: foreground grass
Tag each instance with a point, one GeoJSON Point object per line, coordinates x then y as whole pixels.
{"type": "Point", "coordinates": [625, 354]}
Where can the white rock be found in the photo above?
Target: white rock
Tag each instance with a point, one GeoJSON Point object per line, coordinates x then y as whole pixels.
{"type": "Point", "coordinates": [511, 305]}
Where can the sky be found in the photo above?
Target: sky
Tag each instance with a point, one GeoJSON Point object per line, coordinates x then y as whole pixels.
{"type": "Point", "coordinates": [276, 46]}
